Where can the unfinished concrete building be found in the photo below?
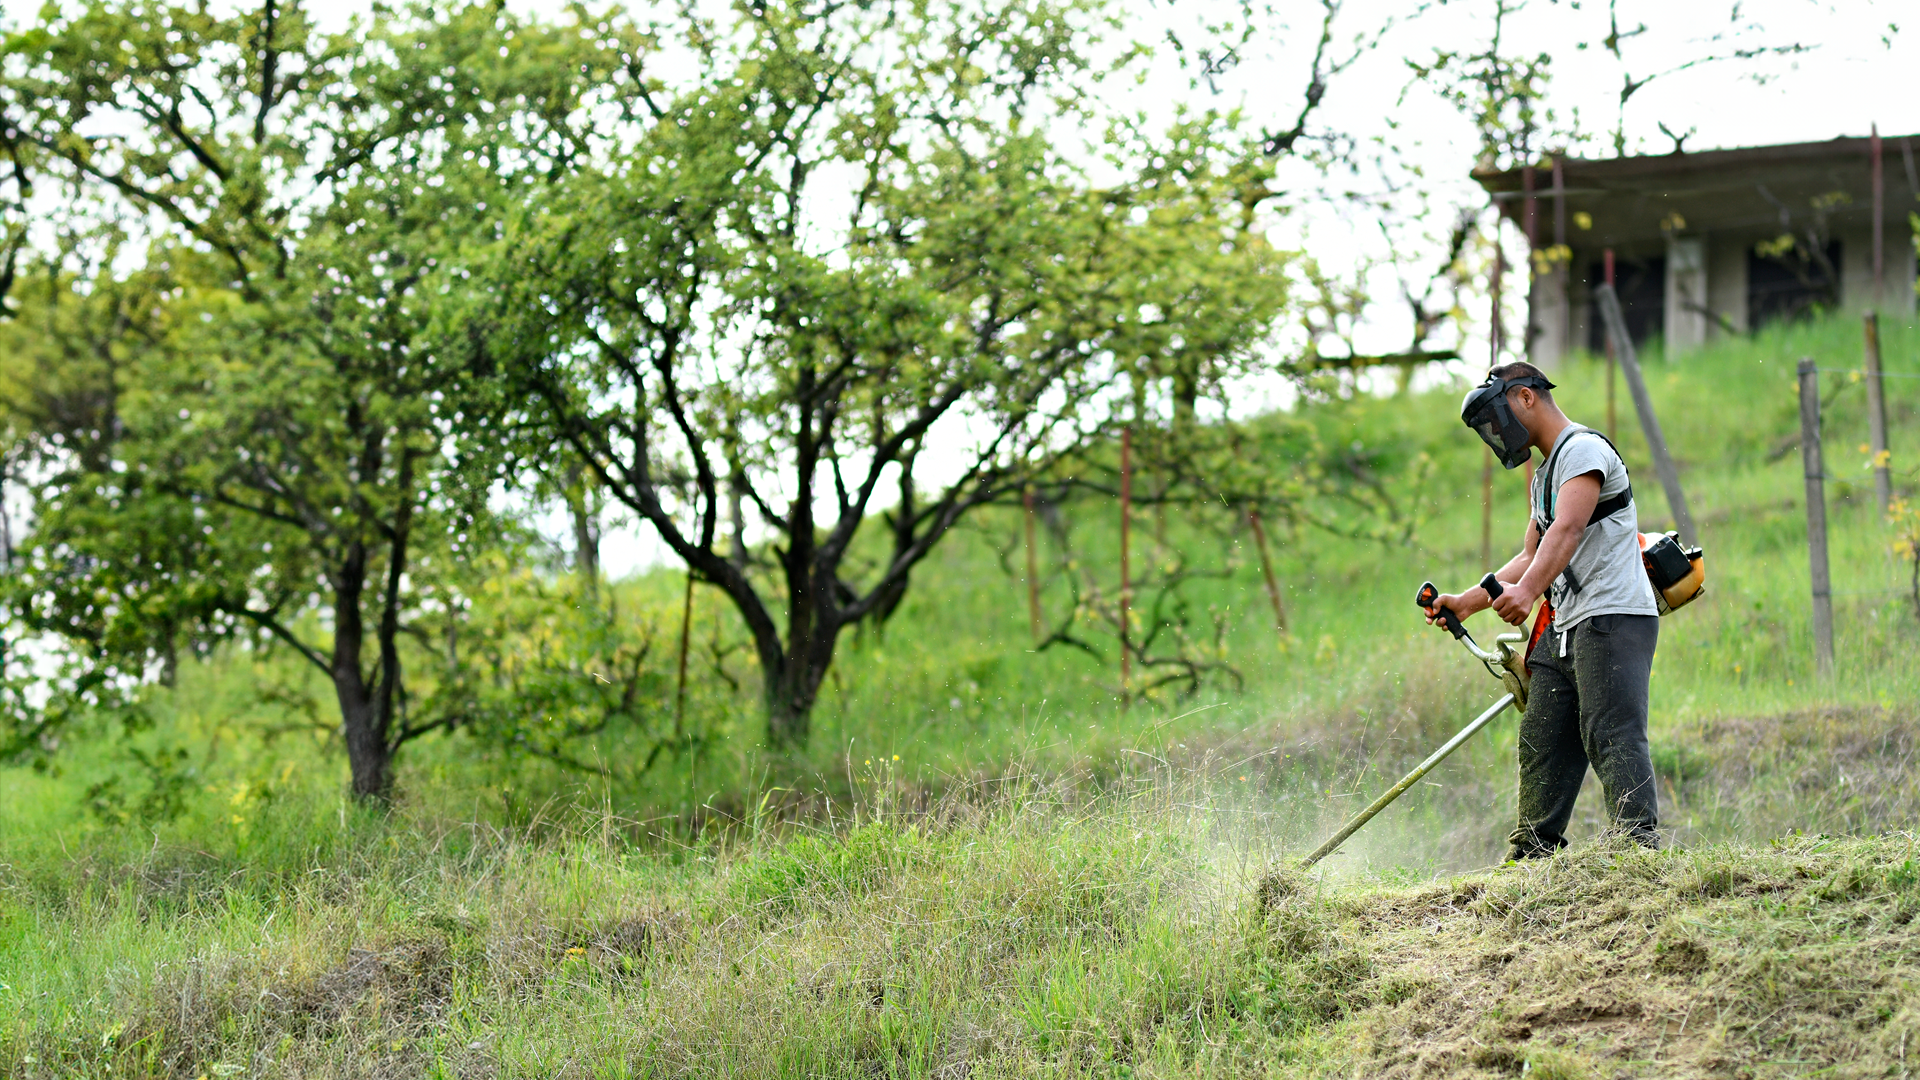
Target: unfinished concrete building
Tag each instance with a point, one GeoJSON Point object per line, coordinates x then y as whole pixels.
{"type": "Point", "coordinates": [1716, 242]}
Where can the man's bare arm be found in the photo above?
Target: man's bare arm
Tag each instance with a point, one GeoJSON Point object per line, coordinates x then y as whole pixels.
{"type": "Point", "coordinates": [1541, 559]}
{"type": "Point", "coordinates": [1575, 503]}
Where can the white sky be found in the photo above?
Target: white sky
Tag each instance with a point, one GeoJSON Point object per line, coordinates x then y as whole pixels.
{"type": "Point", "coordinates": [1857, 70]}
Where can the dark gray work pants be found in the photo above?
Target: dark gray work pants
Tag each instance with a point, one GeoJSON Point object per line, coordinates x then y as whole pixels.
{"type": "Point", "coordinates": [1588, 708]}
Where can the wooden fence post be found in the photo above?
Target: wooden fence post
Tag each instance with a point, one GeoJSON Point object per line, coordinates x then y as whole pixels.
{"type": "Point", "coordinates": [1494, 326]}
{"type": "Point", "coordinates": [1126, 579]}
{"type": "Point", "coordinates": [1266, 569]}
{"type": "Point", "coordinates": [1493, 360]}
{"type": "Point", "coordinates": [1033, 573]}
{"type": "Point", "coordinates": [1486, 510]}
{"type": "Point", "coordinates": [1878, 179]}
{"type": "Point", "coordinates": [1643, 404]}
{"type": "Point", "coordinates": [1815, 470]}
{"type": "Point", "coordinates": [1606, 264]}
{"type": "Point", "coordinates": [1877, 418]}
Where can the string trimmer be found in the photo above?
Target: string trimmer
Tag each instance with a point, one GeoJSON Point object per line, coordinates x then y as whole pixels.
{"type": "Point", "coordinates": [1508, 665]}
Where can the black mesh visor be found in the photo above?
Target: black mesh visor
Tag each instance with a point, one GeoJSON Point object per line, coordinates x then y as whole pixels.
{"type": "Point", "coordinates": [1485, 411]}
{"type": "Point", "coordinates": [1490, 434]}
{"type": "Point", "coordinates": [1482, 407]}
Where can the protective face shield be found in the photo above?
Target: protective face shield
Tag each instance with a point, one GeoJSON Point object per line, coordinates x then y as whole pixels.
{"type": "Point", "coordinates": [1485, 410]}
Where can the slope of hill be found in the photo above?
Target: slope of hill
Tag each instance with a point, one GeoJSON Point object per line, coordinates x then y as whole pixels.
{"type": "Point", "coordinates": [1027, 929]}
{"type": "Point", "coordinates": [985, 866]}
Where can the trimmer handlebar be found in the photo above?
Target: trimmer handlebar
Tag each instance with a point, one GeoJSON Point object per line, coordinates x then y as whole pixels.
{"type": "Point", "coordinates": [1428, 596]}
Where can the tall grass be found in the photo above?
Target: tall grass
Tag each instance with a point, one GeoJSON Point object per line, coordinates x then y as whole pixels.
{"type": "Point", "coordinates": [1029, 927]}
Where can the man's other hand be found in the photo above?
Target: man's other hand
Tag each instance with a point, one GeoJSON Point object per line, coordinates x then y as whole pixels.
{"type": "Point", "coordinates": [1514, 604]}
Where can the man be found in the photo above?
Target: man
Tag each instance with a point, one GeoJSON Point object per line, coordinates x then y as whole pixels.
{"type": "Point", "coordinates": [1587, 701]}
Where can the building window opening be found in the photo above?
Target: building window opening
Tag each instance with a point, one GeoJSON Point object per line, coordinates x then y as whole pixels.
{"type": "Point", "coordinates": [1642, 287]}
{"type": "Point", "coordinates": [1791, 281]}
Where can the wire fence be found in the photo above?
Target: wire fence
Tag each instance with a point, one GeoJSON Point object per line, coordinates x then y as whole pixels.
{"type": "Point", "coordinates": [1862, 372]}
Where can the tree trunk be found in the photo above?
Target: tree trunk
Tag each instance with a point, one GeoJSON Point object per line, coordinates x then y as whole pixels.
{"type": "Point", "coordinates": [387, 686]}
{"type": "Point", "coordinates": [586, 530]}
{"type": "Point", "coordinates": [788, 721]}
{"type": "Point", "coordinates": [737, 517]}
{"type": "Point", "coordinates": [813, 614]}
{"type": "Point", "coordinates": [795, 687]}
{"type": "Point", "coordinates": [169, 654]}
{"type": "Point", "coordinates": [1186, 393]}
{"type": "Point", "coordinates": [367, 751]}
{"type": "Point", "coordinates": [794, 684]}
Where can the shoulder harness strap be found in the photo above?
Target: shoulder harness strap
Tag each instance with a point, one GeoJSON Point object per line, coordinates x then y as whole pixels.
{"type": "Point", "coordinates": [1606, 508]}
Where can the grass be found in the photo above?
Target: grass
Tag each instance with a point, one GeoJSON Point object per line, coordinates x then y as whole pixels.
{"type": "Point", "coordinates": [1030, 928]}
{"type": "Point", "coordinates": [985, 866]}
{"type": "Point", "coordinates": [1792, 959]}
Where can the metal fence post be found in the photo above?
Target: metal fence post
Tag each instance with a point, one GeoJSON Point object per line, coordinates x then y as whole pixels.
{"type": "Point", "coordinates": [1815, 470]}
{"type": "Point", "coordinates": [1126, 577]}
{"type": "Point", "coordinates": [1033, 572]}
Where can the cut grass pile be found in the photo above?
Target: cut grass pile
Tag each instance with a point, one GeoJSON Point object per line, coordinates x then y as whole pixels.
{"type": "Point", "coordinates": [1794, 959]}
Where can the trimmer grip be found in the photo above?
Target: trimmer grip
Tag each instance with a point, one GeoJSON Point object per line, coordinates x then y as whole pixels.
{"type": "Point", "coordinates": [1492, 585]}
{"type": "Point", "coordinates": [1426, 598]}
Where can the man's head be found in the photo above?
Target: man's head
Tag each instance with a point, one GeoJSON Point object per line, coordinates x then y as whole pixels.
{"type": "Point", "coordinates": [1510, 410]}
{"type": "Point", "coordinates": [1529, 392]}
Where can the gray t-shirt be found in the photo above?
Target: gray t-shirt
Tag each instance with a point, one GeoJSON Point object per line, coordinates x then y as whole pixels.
{"type": "Point", "coordinates": [1613, 580]}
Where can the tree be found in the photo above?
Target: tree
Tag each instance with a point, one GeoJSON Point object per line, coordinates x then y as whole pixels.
{"type": "Point", "coordinates": [280, 460]}
{"type": "Point", "coordinates": [689, 320]}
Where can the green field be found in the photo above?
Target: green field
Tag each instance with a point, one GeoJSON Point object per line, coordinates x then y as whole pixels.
{"type": "Point", "coordinates": [986, 864]}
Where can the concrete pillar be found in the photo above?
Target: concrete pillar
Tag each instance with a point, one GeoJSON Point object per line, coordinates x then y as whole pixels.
{"type": "Point", "coordinates": [1727, 286]}
{"type": "Point", "coordinates": [1856, 273]}
{"type": "Point", "coordinates": [1687, 322]}
{"type": "Point", "coordinates": [1547, 319]}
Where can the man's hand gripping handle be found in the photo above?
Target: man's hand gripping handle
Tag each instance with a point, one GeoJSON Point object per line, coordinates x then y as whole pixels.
{"type": "Point", "coordinates": [1492, 585]}
{"type": "Point", "coordinates": [1427, 597]}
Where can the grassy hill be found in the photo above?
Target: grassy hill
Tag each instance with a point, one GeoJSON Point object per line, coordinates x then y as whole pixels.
{"type": "Point", "coordinates": [986, 865]}
{"type": "Point", "coordinates": [1031, 929]}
